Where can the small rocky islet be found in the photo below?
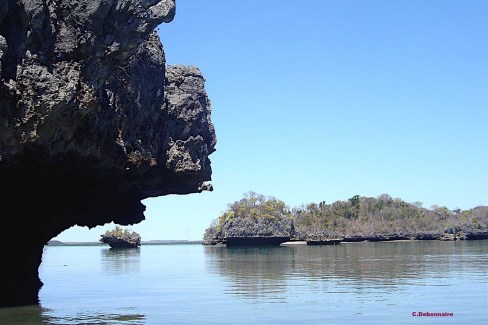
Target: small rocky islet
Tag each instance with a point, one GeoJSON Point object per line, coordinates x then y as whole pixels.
{"type": "Point", "coordinates": [121, 238]}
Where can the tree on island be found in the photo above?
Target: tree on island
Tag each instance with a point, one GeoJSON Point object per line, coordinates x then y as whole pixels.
{"type": "Point", "coordinates": [358, 218]}
{"type": "Point", "coordinates": [255, 215]}
{"type": "Point", "coordinates": [118, 237]}
{"type": "Point", "coordinates": [385, 217]}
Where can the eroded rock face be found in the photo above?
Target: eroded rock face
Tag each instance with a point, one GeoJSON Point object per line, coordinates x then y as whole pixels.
{"type": "Point", "coordinates": [92, 121]}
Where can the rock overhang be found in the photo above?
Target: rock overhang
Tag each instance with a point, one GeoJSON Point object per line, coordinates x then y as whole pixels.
{"type": "Point", "coordinates": [92, 121]}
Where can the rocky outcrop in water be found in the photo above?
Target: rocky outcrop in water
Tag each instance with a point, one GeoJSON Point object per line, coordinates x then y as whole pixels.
{"type": "Point", "coordinates": [253, 220]}
{"type": "Point", "coordinates": [121, 238]}
{"type": "Point", "coordinates": [92, 121]}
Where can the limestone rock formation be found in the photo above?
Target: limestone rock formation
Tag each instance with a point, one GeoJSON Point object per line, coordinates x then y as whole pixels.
{"type": "Point", "coordinates": [92, 121]}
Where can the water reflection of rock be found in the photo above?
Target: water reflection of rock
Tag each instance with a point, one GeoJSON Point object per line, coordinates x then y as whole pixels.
{"type": "Point", "coordinates": [255, 272]}
{"type": "Point", "coordinates": [121, 260]}
{"type": "Point", "coordinates": [35, 314]}
{"type": "Point", "coordinates": [355, 267]}
{"type": "Point", "coordinates": [95, 318]}
{"type": "Point", "coordinates": [31, 314]}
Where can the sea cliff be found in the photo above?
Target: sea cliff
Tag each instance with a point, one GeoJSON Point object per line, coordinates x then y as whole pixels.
{"type": "Point", "coordinates": [92, 122]}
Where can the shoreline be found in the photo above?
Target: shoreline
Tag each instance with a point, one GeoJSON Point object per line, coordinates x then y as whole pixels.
{"type": "Point", "coordinates": [288, 243]}
{"type": "Point", "coordinates": [303, 242]}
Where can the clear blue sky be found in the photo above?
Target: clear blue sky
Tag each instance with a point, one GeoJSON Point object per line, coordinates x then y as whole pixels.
{"type": "Point", "coordinates": [320, 100]}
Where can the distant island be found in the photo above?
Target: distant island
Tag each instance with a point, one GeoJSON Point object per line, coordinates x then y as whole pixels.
{"type": "Point", "coordinates": [122, 238]}
{"type": "Point", "coordinates": [148, 242]}
{"type": "Point", "coordinates": [256, 217]}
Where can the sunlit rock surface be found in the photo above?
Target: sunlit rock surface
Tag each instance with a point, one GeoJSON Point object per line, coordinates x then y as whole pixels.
{"type": "Point", "coordinates": [92, 121]}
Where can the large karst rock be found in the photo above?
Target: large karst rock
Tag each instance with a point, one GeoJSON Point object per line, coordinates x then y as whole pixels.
{"type": "Point", "coordinates": [92, 121]}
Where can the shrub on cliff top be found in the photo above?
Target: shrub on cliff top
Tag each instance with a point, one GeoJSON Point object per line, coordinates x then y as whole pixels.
{"type": "Point", "coordinates": [255, 215]}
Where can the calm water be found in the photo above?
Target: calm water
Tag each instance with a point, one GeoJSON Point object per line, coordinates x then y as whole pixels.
{"type": "Point", "coordinates": [365, 283]}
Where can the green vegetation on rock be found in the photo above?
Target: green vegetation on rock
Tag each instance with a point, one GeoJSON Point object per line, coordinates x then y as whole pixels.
{"type": "Point", "coordinates": [254, 215]}
{"type": "Point", "coordinates": [117, 233]}
{"type": "Point", "coordinates": [386, 217]}
{"type": "Point", "coordinates": [358, 218]}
